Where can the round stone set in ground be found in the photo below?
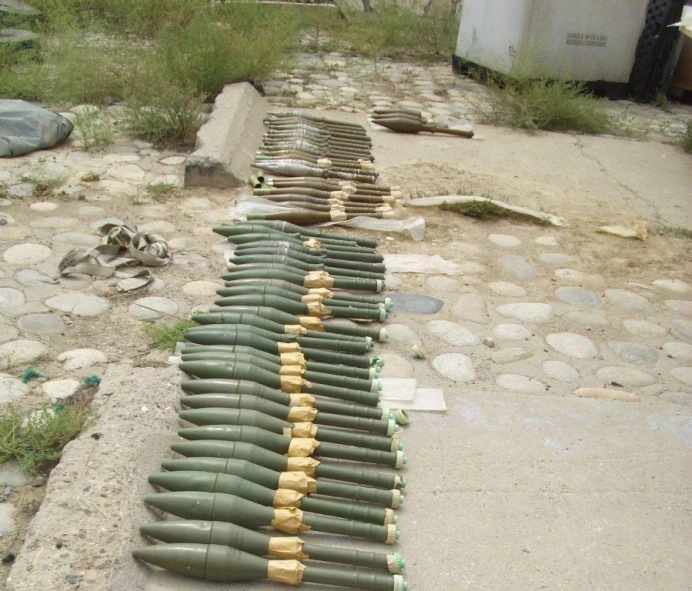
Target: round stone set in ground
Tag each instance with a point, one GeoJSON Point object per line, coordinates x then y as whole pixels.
{"type": "Point", "coordinates": [153, 308]}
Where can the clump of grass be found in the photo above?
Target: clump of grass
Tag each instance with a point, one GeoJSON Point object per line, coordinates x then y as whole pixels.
{"type": "Point", "coordinates": [673, 231]}
{"type": "Point", "coordinates": [160, 191]}
{"type": "Point", "coordinates": [171, 116]}
{"type": "Point", "coordinates": [537, 104]}
{"type": "Point", "coordinates": [166, 336]}
{"type": "Point", "coordinates": [93, 129]}
{"type": "Point", "coordinates": [686, 139]}
{"type": "Point", "coordinates": [481, 210]}
{"type": "Point", "coordinates": [36, 441]}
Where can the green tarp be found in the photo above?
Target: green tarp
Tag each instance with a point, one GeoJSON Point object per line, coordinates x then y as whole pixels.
{"type": "Point", "coordinates": [25, 128]}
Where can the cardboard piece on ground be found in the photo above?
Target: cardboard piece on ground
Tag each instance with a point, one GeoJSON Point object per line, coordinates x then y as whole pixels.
{"type": "Point", "coordinates": [397, 390]}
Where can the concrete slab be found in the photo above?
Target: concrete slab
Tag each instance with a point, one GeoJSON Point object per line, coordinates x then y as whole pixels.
{"type": "Point", "coordinates": [227, 142]}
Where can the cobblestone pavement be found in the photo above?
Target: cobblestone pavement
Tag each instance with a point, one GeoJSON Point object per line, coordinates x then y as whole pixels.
{"type": "Point", "coordinates": [355, 84]}
{"type": "Point", "coordinates": [529, 312]}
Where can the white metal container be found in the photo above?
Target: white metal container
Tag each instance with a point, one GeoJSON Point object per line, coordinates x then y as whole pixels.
{"type": "Point", "coordinates": [585, 40]}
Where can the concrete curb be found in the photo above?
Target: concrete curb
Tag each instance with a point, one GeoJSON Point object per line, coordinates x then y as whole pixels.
{"type": "Point", "coordinates": [227, 142]}
{"type": "Point", "coordinates": [88, 524]}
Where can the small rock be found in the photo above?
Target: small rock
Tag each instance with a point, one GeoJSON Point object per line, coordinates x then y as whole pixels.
{"type": "Point", "coordinates": [153, 308]}
{"type": "Point", "coordinates": [489, 342]}
{"type": "Point", "coordinates": [511, 355]}
{"type": "Point", "coordinates": [455, 366]}
{"type": "Point", "coordinates": [81, 304]}
{"type": "Point", "coordinates": [578, 276]}
{"type": "Point", "coordinates": [54, 223]}
{"type": "Point", "coordinates": [587, 319]}
{"type": "Point", "coordinates": [644, 329]}
{"type": "Point", "coordinates": [32, 278]}
{"type": "Point", "coordinates": [560, 371]}
{"type": "Point", "coordinates": [682, 329]}
{"type": "Point", "coordinates": [20, 352]}
{"type": "Point", "coordinates": [91, 176]}
{"type": "Point", "coordinates": [79, 358]}
{"type": "Point", "coordinates": [634, 353]}
{"type": "Point", "coordinates": [12, 474]}
{"type": "Point", "coordinates": [677, 350]}
{"type": "Point", "coordinates": [546, 241]}
{"type": "Point", "coordinates": [10, 300]}
{"type": "Point", "coordinates": [511, 332]}
{"type": "Point", "coordinates": [683, 374]}
{"type": "Point", "coordinates": [522, 384]}
{"type": "Point", "coordinates": [41, 324]}
{"type": "Point", "coordinates": [186, 242]}
{"type": "Point", "coordinates": [517, 266]}
{"type": "Point", "coordinates": [402, 334]}
{"type": "Point", "coordinates": [504, 240]}
{"type": "Point", "coordinates": [683, 307]}
{"type": "Point", "coordinates": [453, 333]}
{"type": "Point", "coordinates": [173, 160]}
{"type": "Point", "coordinates": [578, 296]}
{"type": "Point", "coordinates": [675, 285]}
{"type": "Point", "coordinates": [556, 258]}
{"type": "Point", "coordinates": [10, 389]}
{"type": "Point", "coordinates": [60, 389]}
{"type": "Point", "coordinates": [471, 307]}
{"type": "Point", "coordinates": [21, 190]}
{"type": "Point", "coordinates": [529, 312]}
{"type": "Point", "coordinates": [572, 345]}
{"type": "Point", "coordinates": [625, 376]}
{"type": "Point", "coordinates": [504, 288]}
{"type": "Point", "coordinates": [629, 301]}
{"type": "Point", "coordinates": [443, 284]}
{"type": "Point", "coordinates": [26, 254]}
{"type": "Point", "coordinates": [43, 206]}
{"type": "Point", "coordinates": [607, 394]}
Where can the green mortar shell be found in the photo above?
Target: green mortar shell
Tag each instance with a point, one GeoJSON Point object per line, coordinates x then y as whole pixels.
{"type": "Point", "coordinates": [310, 260]}
{"type": "Point", "coordinates": [245, 489]}
{"type": "Point", "coordinates": [298, 278]}
{"type": "Point", "coordinates": [297, 264]}
{"type": "Point", "coordinates": [292, 228]}
{"type": "Point", "coordinates": [324, 251]}
{"type": "Point", "coordinates": [211, 563]}
{"type": "Point", "coordinates": [235, 536]}
{"type": "Point", "coordinates": [279, 410]}
{"type": "Point", "coordinates": [283, 317]}
{"type": "Point", "coordinates": [243, 234]}
{"type": "Point", "coordinates": [270, 479]}
{"type": "Point", "coordinates": [234, 509]}
{"type": "Point", "coordinates": [260, 475]}
{"type": "Point", "coordinates": [221, 386]}
{"type": "Point", "coordinates": [214, 562]}
{"type": "Point", "coordinates": [255, 418]}
{"type": "Point", "coordinates": [336, 358]}
{"type": "Point", "coordinates": [258, 338]}
{"type": "Point", "coordinates": [340, 369]}
{"type": "Point", "coordinates": [280, 444]}
{"type": "Point", "coordinates": [217, 448]}
{"type": "Point", "coordinates": [246, 371]}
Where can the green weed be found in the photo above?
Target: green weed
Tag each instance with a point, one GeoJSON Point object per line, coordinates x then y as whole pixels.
{"type": "Point", "coordinates": [686, 140]}
{"type": "Point", "coordinates": [673, 231]}
{"type": "Point", "coordinates": [160, 191]}
{"type": "Point", "coordinates": [481, 210]}
{"type": "Point", "coordinates": [166, 336]}
{"type": "Point", "coordinates": [538, 104]}
{"type": "Point", "coordinates": [36, 441]}
{"type": "Point", "coordinates": [94, 130]}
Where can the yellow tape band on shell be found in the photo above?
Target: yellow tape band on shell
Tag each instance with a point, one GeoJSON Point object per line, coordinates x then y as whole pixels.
{"type": "Point", "coordinates": [301, 401]}
{"type": "Point", "coordinates": [301, 414]}
{"type": "Point", "coordinates": [285, 497]}
{"type": "Point", "coordinates": [285, 571]}
{"type": "Point", "coordinates": [291, 370]}
{"type": "Point", "coordinates": [311, 297]}
{"type": "Point", "coordinates": [315, 280]}
{"type": "Point", "coordinates": [312, 243]}
{"type": "Point", "coordinates": [291, 384]}
{"type": "Point", "coordinates": [306, 430]}
{"type": "Point", "coordinates": [325, 293]}
{"type": "Point", "coordinates": [316, 309]}
{"type": "Point", "coordinates": [288, 547]}
{"type": "Point", "coordinates": [288, 347]}
{"type": "Point", "coordinates": [302, 447]}
{"type": "Point", "coordinates": [311, 323]}
{"type": "Point", "coordinates": [292, 359]}
{"type": "Point", "coordinates": [289, 520]}
{"type": "Point", "coordinates": [298, 481]}
{"type": "Point", "coordinates": [294, 329]}
{"type": "Point", "coordinates": [338, 216]}
{"type": "Point", "coordinates": [306, 465]}
{"type": "Point", "coordinates": [391, 534]}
